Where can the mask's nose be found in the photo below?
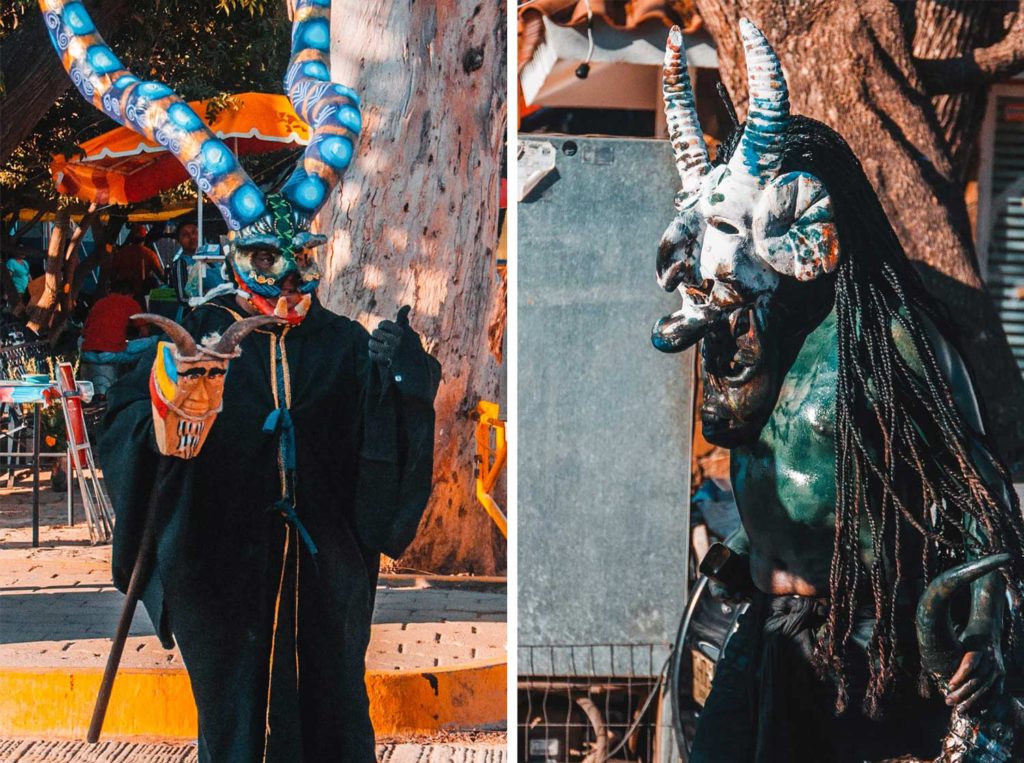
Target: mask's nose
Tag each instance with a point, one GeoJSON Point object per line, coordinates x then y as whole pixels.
{"type": "Point", "coordinates": [726, 294]}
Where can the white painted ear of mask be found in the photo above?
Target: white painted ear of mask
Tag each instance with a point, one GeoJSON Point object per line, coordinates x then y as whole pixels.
{"type": "Point", "coordinates": [793, 229]}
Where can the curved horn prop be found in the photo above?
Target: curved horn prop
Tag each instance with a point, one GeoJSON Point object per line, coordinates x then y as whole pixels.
{"type": "Point", "coordinates": [938, 643]}
{"type": "Point", "coordinates": [684, 130]}
{"type": "Point", "coordinates": [686, 326]}
{"type": "Point", "coordinates": [183, 340]}
{"type": "Point", "coordinates": [759, 153]}
{"type": "Point", "coordinates": [331, 110]}
{"type": "Point", "coordinates": [151, 109]}
{"type": "Point", "coordinates": [239, 330]}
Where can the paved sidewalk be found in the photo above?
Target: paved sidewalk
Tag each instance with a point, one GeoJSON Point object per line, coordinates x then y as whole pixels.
{"type": "Point", "coordinates": [487, 750]}
{"type": "Point", "coordinates": [60, 607]}
{"type": "Point", "coordinates": [436, 660]}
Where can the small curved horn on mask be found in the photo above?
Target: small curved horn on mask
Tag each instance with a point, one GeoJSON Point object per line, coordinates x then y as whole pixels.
{"type": "Point", "coordinates": [684, 131]}
{"type": "Point", "coordinates": [940, 648]}
{"type": "Point", "coordinates": [759, 153]}
{"type": "Point", "coordinates": [236, 332]}
{"type": "Point", "coordinates": [183, 340]}
{"type": "Point", "coordinates": [686, 326]}
{"type": "Point", "coordinates": [794, 228]}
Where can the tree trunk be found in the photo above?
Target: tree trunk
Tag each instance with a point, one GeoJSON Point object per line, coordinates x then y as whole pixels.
{"type": "Point", "coordinates": [65, 302]}
{"type": "Point", "coordinates": [940, 29]}
{"type": "Point", "coordinates": [416, 223]}
{"type": "Point", "coordinates": [873, 95]}
{"type": "Point", "coordinates": [33, 77]}
{"type": "Point", "coordinates": [51, 311]}
{"type": "Point", "coordinates": [39, 314]}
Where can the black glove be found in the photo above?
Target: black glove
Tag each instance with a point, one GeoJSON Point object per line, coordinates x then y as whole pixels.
{"type": "Point", "coordinates": [387, 337]}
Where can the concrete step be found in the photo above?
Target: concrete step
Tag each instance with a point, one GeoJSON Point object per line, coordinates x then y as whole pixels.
{"type": "Point", "coordinates": [436, 660]}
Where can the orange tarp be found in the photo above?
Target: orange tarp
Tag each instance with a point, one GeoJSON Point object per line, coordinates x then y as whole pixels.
{"type": "Point", "coordinates": [122, 167]}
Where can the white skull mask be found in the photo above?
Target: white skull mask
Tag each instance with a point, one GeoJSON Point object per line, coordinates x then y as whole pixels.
{"type": "Point", "coordinates": [742, 226]}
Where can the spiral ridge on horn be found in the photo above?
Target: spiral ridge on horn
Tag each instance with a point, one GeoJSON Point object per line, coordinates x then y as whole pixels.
{"type": "Point", "coordinates": [684, 131]}
{"type": "Point", "coordinates": [759, 153]}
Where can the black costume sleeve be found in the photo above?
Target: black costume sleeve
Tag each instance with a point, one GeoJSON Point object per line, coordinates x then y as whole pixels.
{"type": "Point", "coordinates": [396, 460]}
{"type": "Point", "coordinates": [131, 464]}
{"type": "Point", "coordinates": [130, 458]}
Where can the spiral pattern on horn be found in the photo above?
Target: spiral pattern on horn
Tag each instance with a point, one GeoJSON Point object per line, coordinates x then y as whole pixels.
{"type": "Point", "coordinates": [150, 108]}
{"type": "Point", "coordinates": [759, 153]}
{"type": "Point", "coordinates": [684, 131]}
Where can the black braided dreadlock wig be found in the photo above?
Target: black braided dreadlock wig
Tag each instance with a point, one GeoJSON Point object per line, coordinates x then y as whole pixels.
{"type": "Point", "coordinates": [902, 446]}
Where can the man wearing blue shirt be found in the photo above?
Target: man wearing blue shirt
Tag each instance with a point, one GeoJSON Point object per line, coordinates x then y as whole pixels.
{"type": "Point", "coordinates": [18, 268]}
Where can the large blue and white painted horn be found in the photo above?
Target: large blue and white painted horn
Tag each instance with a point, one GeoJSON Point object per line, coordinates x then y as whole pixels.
{"type": "Point", "coordinates": [759, 153]}
{"type": "Point", "coordinates": [937, 641]}
{"type": "Point", "coordinates": [151, 109]}
{"type": "Point", "coordinates": [684, 132]}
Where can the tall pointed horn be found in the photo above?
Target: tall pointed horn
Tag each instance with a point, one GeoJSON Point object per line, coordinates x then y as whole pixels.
{"type": "Point", "coordinates": [151, 109]}
{"type": "Point", "coordinates": [759, 154]}
{"type": "Point", "coordinates": [684, 132]}
{"type": "Point", "coordinates": [183, 340]}
{"type": "Point", "coordinates": [239, 330]}
{"type": "Point", "coordinates": [940, 648]}
{"type": "Point", "coordinates": [330, 109]}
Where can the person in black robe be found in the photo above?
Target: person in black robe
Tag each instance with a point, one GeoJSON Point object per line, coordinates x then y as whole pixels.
{"type": "Point", "coordinates": [270, 601]}
{"type": "Point", "coordinates": [270, 518]}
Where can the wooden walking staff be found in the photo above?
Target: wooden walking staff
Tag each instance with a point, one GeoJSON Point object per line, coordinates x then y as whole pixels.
{"type": "Point", "coordinates": [186, 394]}
{"type": "Point", "coordinates": [168, 473]}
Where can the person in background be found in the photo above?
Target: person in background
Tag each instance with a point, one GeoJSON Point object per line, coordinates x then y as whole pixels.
{"type": "Point", "coordinates": [136, 264]}
{"type": "Point", "coordinates": [188, 242]}
{"type": "Point", "coordinates": [18, 268]}
{"type": "Point", "coordinates": [105, 334]}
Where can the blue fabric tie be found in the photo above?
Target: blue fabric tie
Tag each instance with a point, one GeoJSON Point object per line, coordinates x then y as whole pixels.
{"type": "Point", "coordinates": [286, 508]}
{"type": "Point", "coordinates": [280, 421]}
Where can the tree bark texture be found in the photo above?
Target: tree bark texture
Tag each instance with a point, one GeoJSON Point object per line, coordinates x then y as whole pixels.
{"type": "Point", "coordinates": [944, 39]}
{"type": "Point", "coordinates": [32, 73]}
{"type": "Point", "coordinates": [851, 66]}
{"type": "Point", "coordinates": [416, 223]}
{"type": "Point", "coordinates": [40, 313]}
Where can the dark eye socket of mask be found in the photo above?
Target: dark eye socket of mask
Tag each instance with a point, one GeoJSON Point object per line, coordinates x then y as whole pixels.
{"type": "Point", "coordinates": [194, 373]}
{"type": "Point", "coordinates": [213, 373]}
{"type": "Point", "coordinates": [725, 227]}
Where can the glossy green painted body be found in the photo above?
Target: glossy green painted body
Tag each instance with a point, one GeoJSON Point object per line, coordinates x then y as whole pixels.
{"type": "Point", "coordinates": [785, 482]}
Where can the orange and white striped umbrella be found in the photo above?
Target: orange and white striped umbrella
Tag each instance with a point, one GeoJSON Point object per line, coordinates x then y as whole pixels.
{"type": "Point", "coordinates": [123, 167]}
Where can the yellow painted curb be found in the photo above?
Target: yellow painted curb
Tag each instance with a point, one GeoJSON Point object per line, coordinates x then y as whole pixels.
{"type": "Point", "coordinates": [57, 703]}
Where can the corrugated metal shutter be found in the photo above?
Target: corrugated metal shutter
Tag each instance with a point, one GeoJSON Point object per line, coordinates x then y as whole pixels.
{"type": "Point", "coordinates": [1006, 246]}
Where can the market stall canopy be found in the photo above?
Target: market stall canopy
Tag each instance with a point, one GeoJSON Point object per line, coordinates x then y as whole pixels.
{"type": "Point", "coordinates": [122, 167]}
{"type": "Point", "coordinates": [135, 216]}
{"type": "Point", "coordinates": [626, 61]}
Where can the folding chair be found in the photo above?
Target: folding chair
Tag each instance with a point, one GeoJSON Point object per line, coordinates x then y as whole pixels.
{"type": "Point", "coordinates": [98, 513]}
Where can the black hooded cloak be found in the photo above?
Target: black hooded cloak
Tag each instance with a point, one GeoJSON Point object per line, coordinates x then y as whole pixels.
{"type": "Point", "coordinates": [274, 636]}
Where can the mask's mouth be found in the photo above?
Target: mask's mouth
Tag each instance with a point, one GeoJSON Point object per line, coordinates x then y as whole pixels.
{"type": "Point", "coordinates": [733, 349]}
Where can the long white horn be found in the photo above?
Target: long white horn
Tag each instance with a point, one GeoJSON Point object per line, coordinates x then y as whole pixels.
{"type": "Point", "coordinates": [681, 115]}
{"type": "Point", "coordinates": [759, 153]}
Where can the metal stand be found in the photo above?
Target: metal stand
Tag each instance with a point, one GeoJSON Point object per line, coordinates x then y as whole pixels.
{"type": "Point", "coordinates": [36, 434]}
{"type": "Point", "coordinates": [70, 493]}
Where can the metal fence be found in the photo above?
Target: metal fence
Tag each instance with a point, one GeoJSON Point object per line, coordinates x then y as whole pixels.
{"type": "Point", "coordinates": [593, 703]}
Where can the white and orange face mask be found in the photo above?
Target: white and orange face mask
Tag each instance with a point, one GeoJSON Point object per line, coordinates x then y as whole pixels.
{"type": "Point", "coordinates": [186, 383]}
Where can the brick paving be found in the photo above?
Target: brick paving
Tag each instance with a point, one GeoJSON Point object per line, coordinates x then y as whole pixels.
{"type": "Point", "coordinates": [58, 607]}
{"type": "Point", "coordinates": [488, 749]}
